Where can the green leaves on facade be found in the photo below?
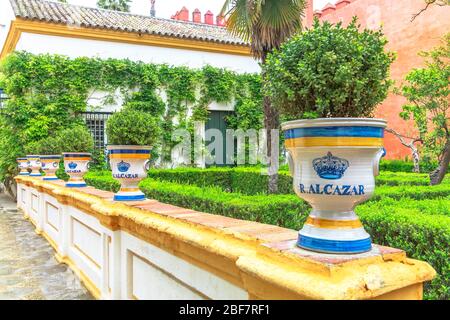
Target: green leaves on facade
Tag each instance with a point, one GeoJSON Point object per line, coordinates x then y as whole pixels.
{"type": "Point", "coordinates": [329, 71]}
{"type": "Point", "coordinates": [47, 93]}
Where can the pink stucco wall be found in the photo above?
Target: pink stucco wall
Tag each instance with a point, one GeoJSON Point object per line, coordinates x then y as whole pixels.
{"type": "Point", "coordinates": [406, 38]}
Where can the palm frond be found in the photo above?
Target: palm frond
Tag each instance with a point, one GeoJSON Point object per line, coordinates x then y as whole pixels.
{"type": "Point", "coordinates": [266, 24]}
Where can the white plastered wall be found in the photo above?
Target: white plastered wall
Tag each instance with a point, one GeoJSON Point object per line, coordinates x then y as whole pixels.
{"type": "Point", "coordinates": [6, 16]}
{"type": "Point", "coordinates": [75, 47]}
{"type": "Point", "coordinates": [117, 263]}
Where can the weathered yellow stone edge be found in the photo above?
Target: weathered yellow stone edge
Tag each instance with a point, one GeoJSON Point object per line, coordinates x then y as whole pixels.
{"type": "Point", "coordinates": [264, 272]}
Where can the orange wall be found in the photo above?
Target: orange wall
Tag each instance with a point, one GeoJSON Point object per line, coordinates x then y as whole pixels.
{"type": "Point", "coordinates": [406, 38]}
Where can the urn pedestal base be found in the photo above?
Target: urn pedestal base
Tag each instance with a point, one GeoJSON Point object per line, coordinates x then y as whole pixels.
{"type": "Point", "coordinates": [329, 232]}
{"type": "Point", "coordinates": [50, 178]}
{"type": "Point", "coordinates": [129, 195]}
{"type": "Point", "coordinates": [35, 174]}
{"type": "Point", "coordinates": [72, 183]}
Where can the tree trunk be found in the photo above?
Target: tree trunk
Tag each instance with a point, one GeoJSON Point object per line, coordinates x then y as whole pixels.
{"type": "Point", "coordinates": [416, 158]}
{"type": "Point", "coordinates": [11, 188]}
{"type": "Point", "coordinates": [271, 121]}
{"type": "Point", "coordinates": [438, 175]}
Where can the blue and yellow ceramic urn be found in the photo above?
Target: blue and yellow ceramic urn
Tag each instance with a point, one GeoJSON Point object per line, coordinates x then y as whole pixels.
{"type": "Point", "coordinates": [129, 165]}
{"type": "Point", "coordinates": [35, 165]}
{"type": "Point", "coordinates": [334, 163]}
{"type": "Point", "coordinates": [23, 166]}
{"type": "Point", "coordinates": [76, 164]}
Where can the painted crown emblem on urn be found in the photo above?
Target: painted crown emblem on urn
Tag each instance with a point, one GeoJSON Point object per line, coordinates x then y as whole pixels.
{"type": "Point", "coordinates": [330, 167]}
{"type": "Point", "coordinates": [72, 165]}
{"type": "Point", "coordinates": [123, 166]}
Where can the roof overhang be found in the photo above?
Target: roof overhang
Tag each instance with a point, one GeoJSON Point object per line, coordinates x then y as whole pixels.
{"type": "Point", "coordinates": [20, 25]}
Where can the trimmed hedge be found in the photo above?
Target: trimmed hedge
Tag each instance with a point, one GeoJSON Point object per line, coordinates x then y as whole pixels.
{"type": "Point", "coordinates": [422, 236]}
{"type": "Point", "coordinates": [401, 216]}
{"type": "Point", "coordinates": [247, 180]}
{"type": "Point", "coordinates": [210, 177]}
{"type": "Point", "coordinates": [413, 192]}
{"type": "Point", "coordinates": [284, 210]}
{"type": "Point", "coordinates": [254, 180]}
{"type": "Point", "coordinates": [401, 178]}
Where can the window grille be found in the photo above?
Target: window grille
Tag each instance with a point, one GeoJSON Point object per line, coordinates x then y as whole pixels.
{"type": "Point", "coordinates": [96, 123]}
{"type": "Point", "coordinates": [3, 98]}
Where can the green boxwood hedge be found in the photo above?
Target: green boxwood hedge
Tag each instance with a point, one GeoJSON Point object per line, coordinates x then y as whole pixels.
{"type": "Point", "coordinates": [415, 218]}
{"type": "Point", "coordinates": [284, 210]}
{"type": "Point", "coordinates": [423, 236]}
{"type": "Point", "coordinates": [254, 180]}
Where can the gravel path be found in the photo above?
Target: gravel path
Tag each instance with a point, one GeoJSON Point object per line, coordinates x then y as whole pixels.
{"type": "Point", "coordinates": [28, 269]}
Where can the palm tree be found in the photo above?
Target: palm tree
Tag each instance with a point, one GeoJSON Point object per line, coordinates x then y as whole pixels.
{"type": "Point", "coordinates": [117, 5]}
{"type": "Point", "coordinates": [266, 24]}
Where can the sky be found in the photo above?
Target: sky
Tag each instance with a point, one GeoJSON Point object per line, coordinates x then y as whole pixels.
{"type": "Point", "coordinates": [166, 8]}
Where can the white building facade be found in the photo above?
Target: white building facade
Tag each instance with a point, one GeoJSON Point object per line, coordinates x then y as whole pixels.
{"type": "Point", "coordinates": [46, 27]}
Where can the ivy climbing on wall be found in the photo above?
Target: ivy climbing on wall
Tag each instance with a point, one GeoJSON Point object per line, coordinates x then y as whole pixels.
{"type": "Point", "coordinates": [48, 92]}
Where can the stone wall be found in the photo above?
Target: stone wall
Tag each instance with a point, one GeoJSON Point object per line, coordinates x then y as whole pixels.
{"type": "Point", "coordinates": [151, 250]}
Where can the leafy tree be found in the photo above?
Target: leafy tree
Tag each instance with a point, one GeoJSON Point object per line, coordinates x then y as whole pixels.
{"type": "Point", "coordinates": [329, 71]}
{"type": "Point", "coordinates": [266, 24]}
{"type": "Point", "coordinates": [117, 5]}
{"type": "Point", "coordinates": [427, 91]}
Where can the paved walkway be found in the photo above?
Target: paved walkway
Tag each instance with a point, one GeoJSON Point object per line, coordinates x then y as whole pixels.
{"type": "Point", "coordinates": [28, 269]}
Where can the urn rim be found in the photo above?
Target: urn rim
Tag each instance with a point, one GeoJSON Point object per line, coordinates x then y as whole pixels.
{"type": "Point", "coordinates": [50, 156]}
{"type": "Point", "coordinates": [331, 122]}
{"type": "Point", "coordinates": [129, 147]}
{"type": "Point", "coordinates": [88, 154]}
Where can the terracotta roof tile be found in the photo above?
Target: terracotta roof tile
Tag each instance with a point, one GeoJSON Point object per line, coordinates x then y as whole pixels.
{"type": "Point", "coordinates": [57, 12]}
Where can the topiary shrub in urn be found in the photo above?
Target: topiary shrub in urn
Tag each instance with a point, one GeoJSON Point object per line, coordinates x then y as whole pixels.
{"type": "Point", "coordinates": [130, 137]}
{"type": "Point", "coordinates": [332, 78]}
{"type": "Point", "coordinates": [78, 145]}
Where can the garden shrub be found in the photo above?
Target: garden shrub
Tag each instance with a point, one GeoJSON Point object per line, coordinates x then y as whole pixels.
{"type": "Point", "coordinates": [329, 71]}
{"type": "Point", "coordinates": [76, 139]}
{"type": "Point", "coordinates": [132, 127]}
{"type": "Point", "coordinates": [252, 181]}
{"type": "Point", "coordinates": [246, 180]}
{"type": "Point", "coordinates": [401, 178]}
{"type": "Point", "coordinates": [284, 210]}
